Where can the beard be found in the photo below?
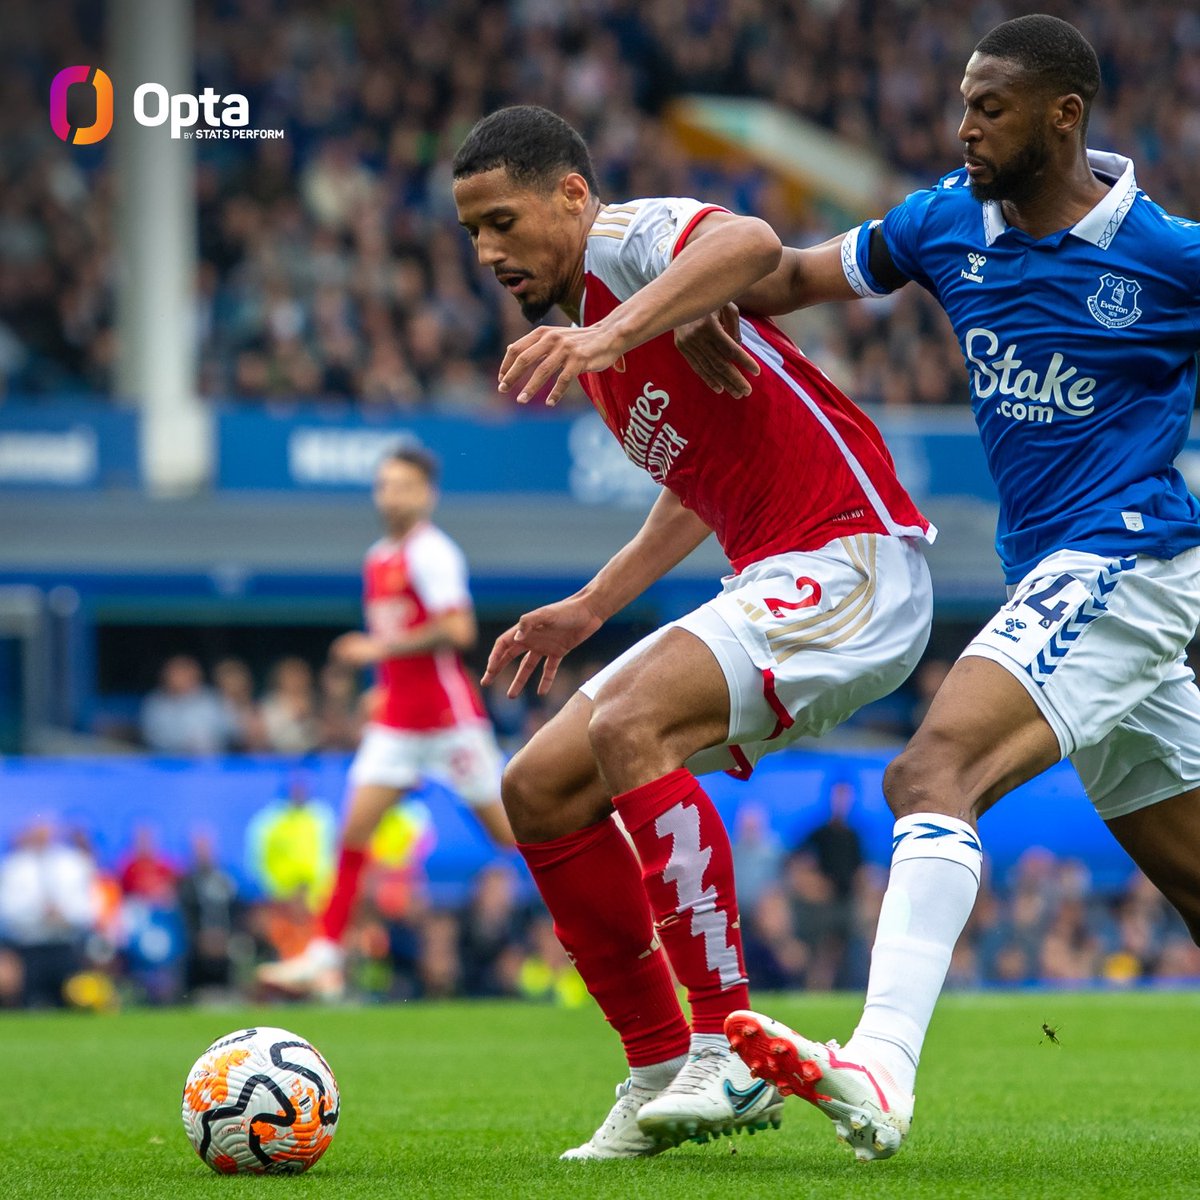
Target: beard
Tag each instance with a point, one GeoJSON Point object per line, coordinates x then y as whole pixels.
{"type": "Point", "coordinates": [535, 308]}
{"type": "Point", "coordinates": [1018, 178]}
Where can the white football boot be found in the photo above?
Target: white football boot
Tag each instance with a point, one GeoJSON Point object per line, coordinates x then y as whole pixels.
{"type": "Point", "coordinates": [713, 1094]}
{"type": "Point", "coordinates": [871, 1115]}
{"type": "Point", "coordinates": [619, 1136]}
{"type": "Point", "coordinates": [315, 971]}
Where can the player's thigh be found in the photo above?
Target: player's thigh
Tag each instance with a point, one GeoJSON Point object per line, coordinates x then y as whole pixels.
{"type": "Point", "coordinates": [367, 804]}
{"type": "Point", "coordinates": [982, 736]}
{"type": "Point", "coordinates": [1086, 639]}
{"type": "Point", "coordinates": [672, 698]}
{"type": "Point", "coordinates": [552, 786]}
{"type": "Point", "coordinates": [1164, 840]}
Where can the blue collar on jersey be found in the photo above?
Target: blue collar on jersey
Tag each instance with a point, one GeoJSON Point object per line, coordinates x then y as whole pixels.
{"type": "Point", "coordinates": [1100, 225]}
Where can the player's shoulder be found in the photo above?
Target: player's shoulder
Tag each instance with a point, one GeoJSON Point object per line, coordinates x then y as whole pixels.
{"type": "Point", "coordinates": [380, 548]}
{"type": "Point", "coordinates": [430, 544]}
{"type": "Point", "coordinates": [1173, 232]}
{"type": "Point", "coordinates": [950, 197]}
{"type": "Point", "coordinates": [647, 214]}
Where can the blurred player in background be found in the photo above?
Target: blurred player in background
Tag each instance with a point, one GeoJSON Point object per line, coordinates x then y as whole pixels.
{"type": "Point", "coordinates": [426, 718]}
{"type": "Point", "coordinates": [829, 607]}
{"type": "Point", "coordinates": [1074, 297]}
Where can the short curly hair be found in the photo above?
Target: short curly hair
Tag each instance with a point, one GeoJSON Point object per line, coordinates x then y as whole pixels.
{"type": "Point", "coordinates": [531, 143]}
{"type": "Point", "coordinates": [1053, 54]}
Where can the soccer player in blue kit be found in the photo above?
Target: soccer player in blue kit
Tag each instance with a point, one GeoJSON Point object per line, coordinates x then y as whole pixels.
{"type": "Point", "coordinates": [1076, 301]}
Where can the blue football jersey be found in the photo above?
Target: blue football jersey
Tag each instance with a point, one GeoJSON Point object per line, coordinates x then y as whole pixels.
{"type": "Point", "coordinates": [1081, 351]}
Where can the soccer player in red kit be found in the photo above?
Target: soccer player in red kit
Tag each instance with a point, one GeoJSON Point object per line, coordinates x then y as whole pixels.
{"type": "Point", "coordinates": [828, 607]}
{"type": "Point", "coordinates": [427, 717]}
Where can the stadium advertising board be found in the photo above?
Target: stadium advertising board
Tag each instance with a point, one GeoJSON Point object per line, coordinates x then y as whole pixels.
{"type": "Point", "coordinates": [65, 447]}
{"type": "Point", "coordinates": [568, 455]}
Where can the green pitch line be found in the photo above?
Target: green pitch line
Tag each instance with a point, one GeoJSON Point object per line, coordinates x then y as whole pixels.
{"type": "Point", "coordinates": [459, 1101]}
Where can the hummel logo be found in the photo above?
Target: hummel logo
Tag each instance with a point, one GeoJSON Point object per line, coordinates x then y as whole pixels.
{"type": "Point", "coordinates": [975, 274]}
{"type": "Point", "coordinates": [743, 1100]}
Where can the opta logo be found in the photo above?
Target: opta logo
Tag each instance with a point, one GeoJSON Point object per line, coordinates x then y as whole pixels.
{"type": "Point", "coordinates": [217, 116]}
{"type": "Point", "coordinates": [60, 122]}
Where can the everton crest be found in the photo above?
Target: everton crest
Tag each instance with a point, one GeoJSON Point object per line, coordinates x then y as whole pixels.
{"type": "Point", "coordinates": [1115, 304]}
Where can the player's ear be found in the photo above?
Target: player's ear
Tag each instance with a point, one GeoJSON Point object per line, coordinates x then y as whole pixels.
{"type": "Point", "coordinates": [574, 190]}
{"type": "Point", "coordinates": [1067, 113]}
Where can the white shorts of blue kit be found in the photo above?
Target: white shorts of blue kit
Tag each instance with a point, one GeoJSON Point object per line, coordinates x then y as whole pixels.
{"type": "Point", "coordinates": [1100, 644]}
{"type": "Point", "coordinates": [804, 640]}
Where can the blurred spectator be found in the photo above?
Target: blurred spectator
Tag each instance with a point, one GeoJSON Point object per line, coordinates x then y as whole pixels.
{"type": "Point", "coordinates": [339, 717]}
{"type": "Point", "coordinates": [185, 716]}
{"type": "Point", "coordinates": [289, 709]}
{"type": "Point", "coordinates": [546, 973]}
{"type": "Point", "coordinates": [47, 909]}
{"type": "Point", "coordinates": [236, 685]}
{"type": "Point", "coordinates": [757, 853]}
{"type": "Point", "coordinates": [289, 845]}
{"type": "Point", "coordinates": [211, 910]}
{"type": "Point", "coordinates": [835, 844]}
{"type": "Point", "coordinates": [146, 872]}
{"type": "Point", "coordinates": [775, 957]}
{"type": "Point", "coordinates": [928, 677]}
{"type": "Point", "coordinates": [154, 943]}
{"type": "Point", "coordinates": [491, 929]}
{"type": "Point", "coordinates": [819, 920]}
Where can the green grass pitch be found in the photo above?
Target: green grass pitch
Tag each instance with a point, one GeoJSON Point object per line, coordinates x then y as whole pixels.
{"type": "Point", "coordinates": [477, 1100]}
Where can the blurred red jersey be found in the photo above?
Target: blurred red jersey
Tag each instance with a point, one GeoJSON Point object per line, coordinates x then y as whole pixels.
{"type": "Point", "coordinates": [405, 583]}
{"type": "Point", "coordinates": [790, 467]}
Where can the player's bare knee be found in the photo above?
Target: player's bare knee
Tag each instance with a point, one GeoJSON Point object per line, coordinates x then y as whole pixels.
{"type": "Point", "coordinates": [526, 800]}
{"type": "Point", "coordinates": [617, 733]}
{"type": "Point", "coordinates": [919, 780]}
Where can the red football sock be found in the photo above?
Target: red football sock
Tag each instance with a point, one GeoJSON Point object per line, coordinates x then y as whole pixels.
{"type": "Point", "coordinates": [687, 869]}
{"type": "Point", "coordinates": [337, 912]}
{"type": "Point", "coordinates": [592, 885]}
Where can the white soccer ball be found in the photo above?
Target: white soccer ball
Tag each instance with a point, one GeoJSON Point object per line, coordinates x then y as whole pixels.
{"type": "Point", "coordinates": [262, 1101]}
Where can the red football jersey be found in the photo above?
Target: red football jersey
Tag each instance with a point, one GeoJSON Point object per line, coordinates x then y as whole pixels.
{"type": "Point", "coordinates": [405, 583]}
{"type": "Point", "coordinates": [790, 467]}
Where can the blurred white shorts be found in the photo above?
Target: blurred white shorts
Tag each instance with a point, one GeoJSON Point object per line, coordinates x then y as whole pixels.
{"type": "Point", "coordinates": [1100, 645]}
{"type": "Point", "coordinates": [464, 756]}
{"type": "Point", "coordinates": [804, 640]}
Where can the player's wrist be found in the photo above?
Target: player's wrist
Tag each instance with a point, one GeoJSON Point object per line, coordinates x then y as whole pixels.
{"type": "Point", "coordinates": [597, 602]}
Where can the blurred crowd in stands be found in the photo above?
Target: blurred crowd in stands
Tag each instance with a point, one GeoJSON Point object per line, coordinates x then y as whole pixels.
{"type": "Point", "coordinates": [155, 931]}
{"type": "Point", "coordinates": [330, 262]}
{"type": "Point", "coordinates": [297, 710]}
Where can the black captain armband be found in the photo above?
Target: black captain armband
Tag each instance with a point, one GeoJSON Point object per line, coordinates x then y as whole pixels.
{"type": "Point", "coordinates": [881, 264]}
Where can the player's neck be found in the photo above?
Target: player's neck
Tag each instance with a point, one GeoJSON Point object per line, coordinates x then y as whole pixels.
{"type": "Point", "coordinates": [1061, 201]}
{"type": "Point", "coordinates": [572, 303]}
{"type": "Point", "coordinates": [398, 532]}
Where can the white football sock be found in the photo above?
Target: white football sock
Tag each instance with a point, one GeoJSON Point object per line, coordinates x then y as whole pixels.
{"type": "Point", "coordinates": [655, 1076]}
{"type": "Point", "coordinates": [708, 1041]}
{"type": "Point", "coordinates": [936, 866]}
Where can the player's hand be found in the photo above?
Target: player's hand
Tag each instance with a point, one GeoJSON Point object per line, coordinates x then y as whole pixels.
{"type": "Point", "coordinates": [713, 349]}
{"type": "Point", "coordinates": [358, 650]}
{"type": "Point", "coordinates": [546, 634]}
{"type": "Point", "coordinates": [553, 350]}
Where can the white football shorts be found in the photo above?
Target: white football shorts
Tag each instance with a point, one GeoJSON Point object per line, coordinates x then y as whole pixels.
{"type": "Point", "coordinates": [1100, 644]}
{"type": "Point", "coordinates": [464, 756]}
{"type": "Point", "coordinates": [805, 639]}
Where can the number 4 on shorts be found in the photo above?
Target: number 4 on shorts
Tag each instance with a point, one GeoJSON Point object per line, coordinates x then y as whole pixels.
{"type": "Point", "coordinates": [1050, 614]}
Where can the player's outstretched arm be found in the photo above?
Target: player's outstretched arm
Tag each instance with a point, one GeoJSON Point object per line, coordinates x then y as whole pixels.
{"type": "Point", "coordinates": [712, 344]}
{"type": "Point", "coordinates": [668, 535]}
{"type": "Point", "coordinates": [454, 629]}
{"type": "Point", "coordinates": [724, 256]}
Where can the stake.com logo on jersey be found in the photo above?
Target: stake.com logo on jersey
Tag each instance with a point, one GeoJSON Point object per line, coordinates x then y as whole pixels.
{"type": "Point", "coordinates": [224, 116]}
